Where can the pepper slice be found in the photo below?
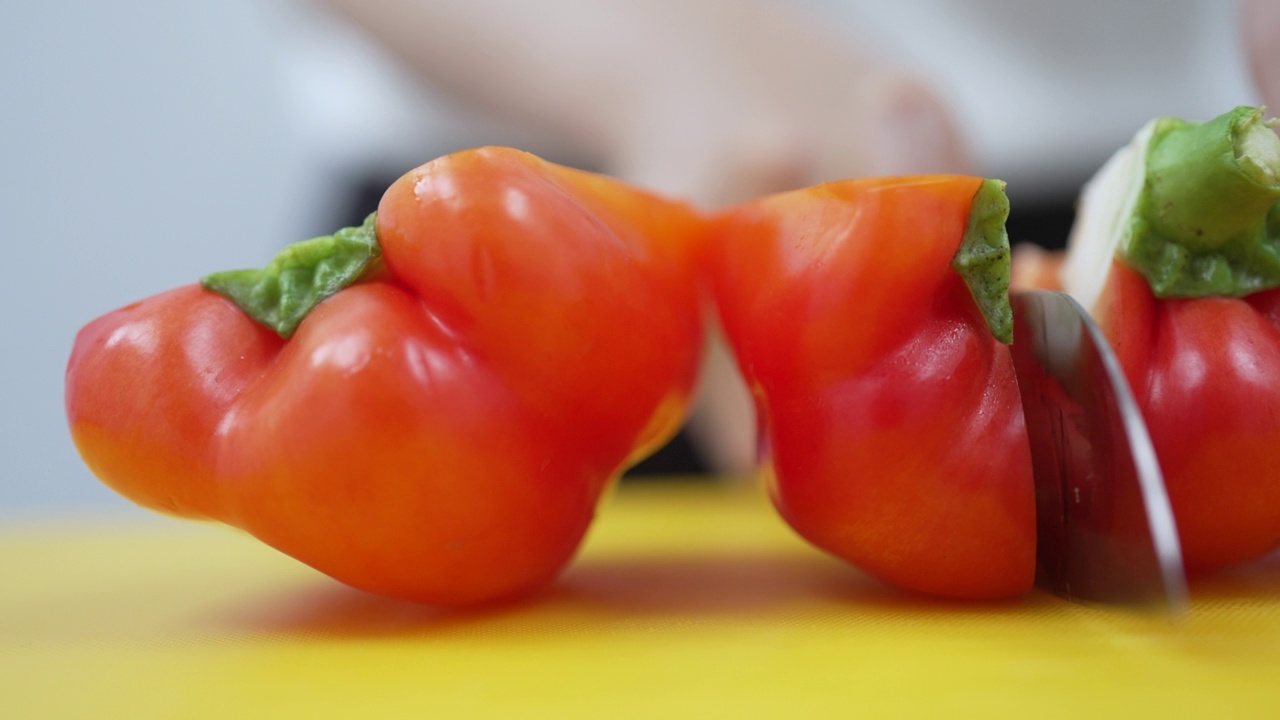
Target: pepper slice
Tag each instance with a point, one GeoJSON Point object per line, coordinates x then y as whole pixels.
{"type": "Point", "coordinates": [891, 428]}
{"type": "Point", "coordinates": [462, 378]}
{"type": "Point", "coordinates": [1176, 254]}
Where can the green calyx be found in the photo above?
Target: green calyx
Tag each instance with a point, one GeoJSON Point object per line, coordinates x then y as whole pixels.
{"type": "Point", "coordinates": [983, 260]}
{"type": "Point", "coordinates": [302, 275]}
{"type": "Point", "coordinates": [1205, 222]}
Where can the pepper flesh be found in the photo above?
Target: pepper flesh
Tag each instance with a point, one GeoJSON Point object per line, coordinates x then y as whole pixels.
{"type": "Point", "coordinates": [891, 430]}
{"type": "Point", "coordinates": [440, 431]}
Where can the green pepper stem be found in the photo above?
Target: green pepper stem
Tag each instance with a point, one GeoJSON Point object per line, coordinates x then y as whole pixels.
{"type": "Point", "coordinates": [1200, 225]}
{"type": "Point", "coordinates": [983, 260]}
{"type": "Point", "coordinates": [302, 275]}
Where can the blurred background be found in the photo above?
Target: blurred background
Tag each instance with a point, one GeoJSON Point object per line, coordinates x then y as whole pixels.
{"type": "Point", "coordinates": [145, 143]}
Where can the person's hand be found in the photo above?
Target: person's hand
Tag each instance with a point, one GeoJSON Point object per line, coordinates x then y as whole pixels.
{"type": "Point", "coordinates": [752, 99]}
{"type": "Point", "coordinates": [738, 99]}
{"type": "Point", "coordinates": [716, 101]}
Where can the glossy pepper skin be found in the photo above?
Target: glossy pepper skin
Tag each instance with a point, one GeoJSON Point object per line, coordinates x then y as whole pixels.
{"type": "Point", "coordinates": [441, 430]}
{"type": "Point", "coordinates": [891, 430]}
{"type": "Point", "coordinates": [1206, 373]}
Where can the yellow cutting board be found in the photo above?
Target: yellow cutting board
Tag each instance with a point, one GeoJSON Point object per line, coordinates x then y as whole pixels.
{"type": "Point", "coordinates": [688, 600]}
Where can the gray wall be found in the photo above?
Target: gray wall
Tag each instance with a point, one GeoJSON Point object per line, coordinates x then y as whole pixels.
{"type": "Point", "coordinates": [145, 143]}
{"type": "Point", "coordinates": [142, 144]}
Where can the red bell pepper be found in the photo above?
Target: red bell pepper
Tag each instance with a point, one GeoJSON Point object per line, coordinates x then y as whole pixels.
{"type": "Point", "coordinates": [443, 393]}
{"type": "Point", "coordinates": [869, 318]}
{"type": "Point", "coordinates": [1176, 253]}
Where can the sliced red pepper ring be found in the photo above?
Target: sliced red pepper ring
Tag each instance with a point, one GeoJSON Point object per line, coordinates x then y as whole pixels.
{"type": "Point", "coordinates": [864, 316]}
{"type": "Point", "coordinates": [442, 394]}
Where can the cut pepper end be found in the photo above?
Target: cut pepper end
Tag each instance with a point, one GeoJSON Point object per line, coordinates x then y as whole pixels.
{"type": "Point", "coordinates": [983, 259]}
{"type": "Point", "coordinates": [300, 276]}
{"type": "Point", "coordinates": [1257, 148]}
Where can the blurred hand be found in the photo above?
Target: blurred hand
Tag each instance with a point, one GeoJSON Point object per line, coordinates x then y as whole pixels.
{"type": "Point", "coordinates": [717, 101]}
{"type": "Point", "coordinates": [749, 98]}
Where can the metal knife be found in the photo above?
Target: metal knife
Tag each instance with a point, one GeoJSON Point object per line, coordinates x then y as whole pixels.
{"type": "Point", "coordinates": [1105, 531]}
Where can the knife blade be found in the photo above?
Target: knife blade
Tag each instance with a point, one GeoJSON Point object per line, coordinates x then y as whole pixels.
{"type": "Point", "coordinates": [1105, 530]}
